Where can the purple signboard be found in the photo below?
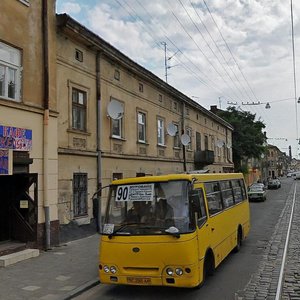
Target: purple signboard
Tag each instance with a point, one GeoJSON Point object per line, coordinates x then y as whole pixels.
{"type": "Point", "coordinates": [4, 162]}
{"type": "Point", "coordinates": [15, 138]}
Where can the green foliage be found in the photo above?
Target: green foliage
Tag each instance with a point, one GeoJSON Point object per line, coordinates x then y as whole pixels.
{"type": "Point", "coordinates": [248, 138]}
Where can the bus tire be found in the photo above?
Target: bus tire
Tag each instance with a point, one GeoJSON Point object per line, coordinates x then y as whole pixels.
{"type": "Point", "coordinates": [239, 240]}
{"type": "Point", "coordinates": [208, 268]}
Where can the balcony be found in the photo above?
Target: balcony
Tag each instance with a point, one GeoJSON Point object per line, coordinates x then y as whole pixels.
{"type": "Point", "coordinates": [206, 157]}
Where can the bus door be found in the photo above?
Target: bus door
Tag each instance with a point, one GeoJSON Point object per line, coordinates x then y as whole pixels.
{"type": "Point", "coordinates": [199, 214]}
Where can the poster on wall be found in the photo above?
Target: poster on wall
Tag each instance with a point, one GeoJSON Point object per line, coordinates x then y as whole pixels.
{"type": "Point", "coordinates": [15, 138]}
{"type": "Point", "coordinates": [6, 161]}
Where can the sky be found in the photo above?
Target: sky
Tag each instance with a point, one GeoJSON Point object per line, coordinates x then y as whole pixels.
{"type": "Point", "coordinates": [218, 52]}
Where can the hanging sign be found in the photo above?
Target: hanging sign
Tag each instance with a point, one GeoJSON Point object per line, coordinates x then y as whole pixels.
{"type": "Point", "coordinates": [18, 139]}
{"type": "Point", "coordinates": [6, 162]}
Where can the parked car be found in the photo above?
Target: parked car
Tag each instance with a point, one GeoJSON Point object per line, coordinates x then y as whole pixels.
{"type": "Point", "coordinates": [257, 184]}
{"type": "Point", "coordinates": [274, 184]}
{"type": "Point", "coordinates": [257, 193]}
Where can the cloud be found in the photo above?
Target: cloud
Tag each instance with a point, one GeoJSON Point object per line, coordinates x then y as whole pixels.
{"type": "Point", "coordinates": [71, 8]}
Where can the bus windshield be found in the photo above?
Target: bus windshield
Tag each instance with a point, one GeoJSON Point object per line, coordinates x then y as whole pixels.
{"type": "Point", "coordinates": [148, 208]}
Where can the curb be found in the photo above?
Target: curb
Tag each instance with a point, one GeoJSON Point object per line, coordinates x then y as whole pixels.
{"type": "Point", "coordinates": [82, 289]}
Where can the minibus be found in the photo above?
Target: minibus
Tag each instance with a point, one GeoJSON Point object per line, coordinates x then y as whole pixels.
{"type": "Point", "coordinates": [171, 230]}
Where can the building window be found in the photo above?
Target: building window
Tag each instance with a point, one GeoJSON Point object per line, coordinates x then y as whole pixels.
{"type": "Point", "coordinates": [116, 176]}
{"type": "Point", "coordinates": [78, 55]}
{"type": "Point", "coordinates": [116, 128]}
{"type": "Point", "coordinates": [80, 194]}
{"type": "Point", "coordinates": [10, 72]}
{"type": "Point", "coordinates": [198, 141]}
{"type": "Point", "coordinates": [141, 87]}
{"type": "Point", "coordinates": [175, 105]}
{"type": "Point", "coordinates": [78, 109]}
{"type": "Point", "coordinates": [25, 2]}
{"type": "Point", "coordinates": [141, 127]}
{"type": "Point", "coordinates": [117, 75]}
{"type": "Point", "coordinates": [189, 133]}
{"type": "Point", "coordinates": [160, 98]}
{"type": "Point", "coordinates": [160, 132]}
{"type": "Point", "coordinates": [117, 124]}
{"type": "Point", "coordinates": [206, 142]}
{"type": "Point", "coordinates": [176, 137]}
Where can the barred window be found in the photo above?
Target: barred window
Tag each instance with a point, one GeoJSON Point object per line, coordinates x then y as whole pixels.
{"type": "Point", "coordinates": [80, 194]}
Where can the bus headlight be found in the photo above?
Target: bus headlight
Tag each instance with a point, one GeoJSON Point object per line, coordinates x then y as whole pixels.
{"type": "Point", "coordinates": [170, 271]}
{"type": "Point", "coordinates": [113, 269]}
{"type": "Point", "coordinates": [106, 269]}
{"type": "Point", "coordinates": [178, 271]}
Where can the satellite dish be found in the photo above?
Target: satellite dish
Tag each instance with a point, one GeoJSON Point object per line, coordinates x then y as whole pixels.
{"type": "Point", "coordinates": [172, 129]}
{"type": "Point", "coordinates": [115, 109]}
{"type": "Point", "coordinates": [185, 139]}
{"type": "Point", "coordinates": [220, 144]}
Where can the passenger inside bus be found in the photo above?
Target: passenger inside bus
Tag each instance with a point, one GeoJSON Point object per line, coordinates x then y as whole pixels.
{"type": "Point", "coordinates": [139, 212]}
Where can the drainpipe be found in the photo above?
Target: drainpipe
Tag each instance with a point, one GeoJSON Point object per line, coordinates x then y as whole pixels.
{"type": "Point", "coordinates": [99, 121]}
{"type": "Point", "coordinates": [46, 122]}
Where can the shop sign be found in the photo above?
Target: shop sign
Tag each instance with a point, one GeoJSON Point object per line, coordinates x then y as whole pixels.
{"type": "Point", "coordinates": [6, 162]}
{"type": "Point", "coordinates": [18, 139]}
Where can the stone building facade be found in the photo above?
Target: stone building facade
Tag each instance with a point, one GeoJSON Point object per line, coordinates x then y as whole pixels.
{"type": "Point", "coordinates": [119, 120]}
{"type": "Point", "coordinates": [28, 122]}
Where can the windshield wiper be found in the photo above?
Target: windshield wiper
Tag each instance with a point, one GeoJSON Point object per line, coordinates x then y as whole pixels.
{"type": "Point", "coordinates": [122, 227]}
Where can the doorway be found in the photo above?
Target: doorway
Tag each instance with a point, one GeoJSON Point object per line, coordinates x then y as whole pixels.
{"type": "Point", "coordinates": [18, 207]}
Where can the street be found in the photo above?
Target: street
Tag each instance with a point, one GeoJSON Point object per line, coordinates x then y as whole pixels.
{"type": "Point", "coordinates": [232, 275]}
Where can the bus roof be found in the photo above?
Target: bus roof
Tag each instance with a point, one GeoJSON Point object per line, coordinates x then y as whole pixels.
{"type": "Point", "coordinates": [183, 176]}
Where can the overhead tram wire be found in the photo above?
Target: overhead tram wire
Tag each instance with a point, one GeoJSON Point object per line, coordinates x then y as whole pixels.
{"type": "Point", "coordinates": [220, 51]}
{"type": "Point", "coordinates": [228, 48]}
{"type": "Point", "coordinates": [213, 52]}
{"type": "Point", "coordinates": [220, 75]}
{"type": "Point", "coordinates": [159, 44]}
{"type": "Point", "coordinates": [179, 50]}
{"type": "Point", "coordinates": [253, 110]}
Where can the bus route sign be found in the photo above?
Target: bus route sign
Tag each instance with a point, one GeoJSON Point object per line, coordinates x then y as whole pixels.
{"type": "Point", "coordinates": [135, 192]}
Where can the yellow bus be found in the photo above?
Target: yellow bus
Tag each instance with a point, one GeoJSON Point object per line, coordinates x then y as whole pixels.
{"type": "Point", "coordinates": [171, 230]}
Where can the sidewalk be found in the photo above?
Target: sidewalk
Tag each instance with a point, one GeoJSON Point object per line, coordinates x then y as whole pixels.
{"type": "Point", "coordinates": [56, 274]}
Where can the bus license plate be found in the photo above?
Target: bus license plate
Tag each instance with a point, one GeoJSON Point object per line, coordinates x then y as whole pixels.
{"type": "Point", "coordinates": [138, 280]}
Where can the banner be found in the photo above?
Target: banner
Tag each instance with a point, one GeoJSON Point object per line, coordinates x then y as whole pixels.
{"type": "Point", "coordinates": [18, 139]}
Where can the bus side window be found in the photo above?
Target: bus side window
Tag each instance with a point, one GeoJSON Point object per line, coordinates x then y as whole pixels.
{"type": "Point", "coordinates": [213, 195]}
{"type": "Point", "coordinates": [238, 191]}
{"type": "Point", "coordinates": [227, 193]}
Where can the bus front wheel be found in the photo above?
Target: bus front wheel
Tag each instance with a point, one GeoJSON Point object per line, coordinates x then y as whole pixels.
{"type": "Point", "coordinates": [208, 268]}
{"type": "Point", "coordinates": [239, 240]}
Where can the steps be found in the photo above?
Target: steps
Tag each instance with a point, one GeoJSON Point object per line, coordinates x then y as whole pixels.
{"type": "Point", "coordinates": [15, 257]}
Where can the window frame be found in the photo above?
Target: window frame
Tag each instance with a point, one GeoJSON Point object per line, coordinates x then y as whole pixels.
{"type": "Point", "coordinates": [80, 107]}
{"type": "Point", "coordinates": [15, 67]}
{"type": "Point", "coordinates": [160, 131]}
{"type": "Point", "coordinates": [117, 123]}
{"type": "Point", "coordinates": [177, 143]}
{"type": "Point", "coordinates": [141, 125]}
{"type": "Point", "coordinates": [189, 132]}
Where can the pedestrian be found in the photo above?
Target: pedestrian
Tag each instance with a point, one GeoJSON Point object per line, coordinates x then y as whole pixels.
{"type": "Point", "coordinates": [96, 213]}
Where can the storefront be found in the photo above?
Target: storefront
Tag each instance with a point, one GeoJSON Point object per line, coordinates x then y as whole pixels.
{"type": "Point", "coordinates": [19, 188]}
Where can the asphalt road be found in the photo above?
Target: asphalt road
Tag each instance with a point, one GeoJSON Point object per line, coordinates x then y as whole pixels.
{"type": "Point", "coordinates": [231, 276]}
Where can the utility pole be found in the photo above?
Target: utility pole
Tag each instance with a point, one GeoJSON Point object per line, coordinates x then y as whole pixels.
{"type": "Point", "coordinates": [166, 66]}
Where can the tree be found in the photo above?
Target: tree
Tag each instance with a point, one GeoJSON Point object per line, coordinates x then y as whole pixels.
{"type": "Point", "coordinates": [248, 138]}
